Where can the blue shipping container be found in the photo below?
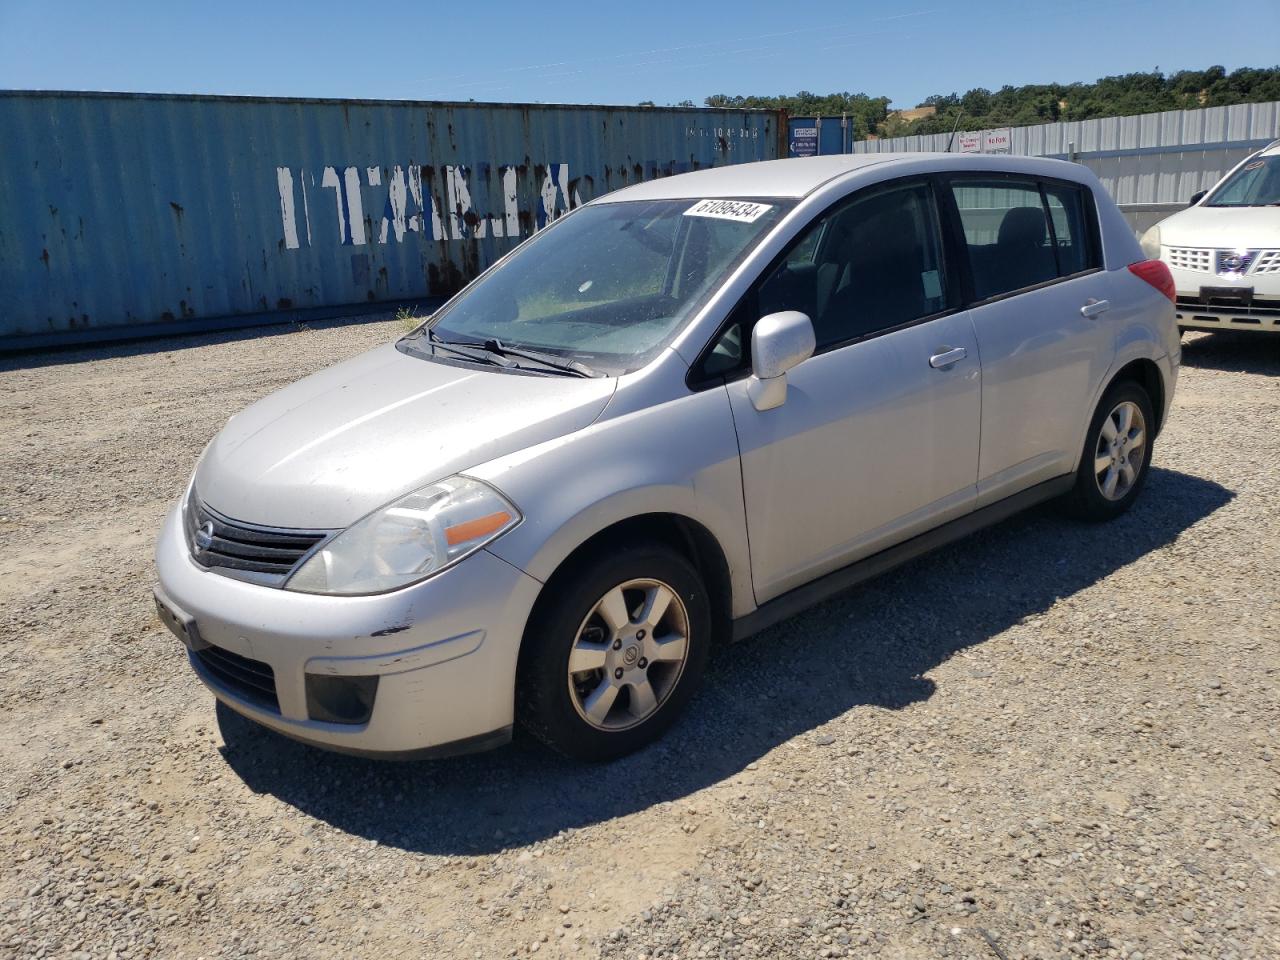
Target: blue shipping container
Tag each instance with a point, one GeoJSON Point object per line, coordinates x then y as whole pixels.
{"type": "Point", "coordinates": [124, 210]}
{"type": "Point", "coordinates": [814, 136]}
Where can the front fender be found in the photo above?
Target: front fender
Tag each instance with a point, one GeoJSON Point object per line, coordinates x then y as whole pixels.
{"type": "Point", "coordinates": [679, 457]}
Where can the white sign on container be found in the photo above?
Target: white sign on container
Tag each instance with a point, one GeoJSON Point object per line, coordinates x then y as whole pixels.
{"type": "Point", "coordinates": [997, 141]}
{"type": "Point", "coordinates": [970, 142]}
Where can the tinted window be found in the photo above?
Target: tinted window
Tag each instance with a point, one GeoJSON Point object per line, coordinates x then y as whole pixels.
{"type": "Point", "coordinates": [1007, 234]}
{"type": "Point", "coordinates": [1072, 231]}
{"type": "Point", "coordinates": [876, 264]}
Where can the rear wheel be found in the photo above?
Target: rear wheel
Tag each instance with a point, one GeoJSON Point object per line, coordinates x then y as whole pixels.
{"type": "Point", "coordinates": [614, 652]}
{"type": "Point", "coordinates": [1116, 456]}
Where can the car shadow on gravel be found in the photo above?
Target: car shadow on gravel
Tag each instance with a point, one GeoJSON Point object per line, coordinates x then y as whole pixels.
{"type": "Point", "coordinates": [1233, 352]}
{"type": "Point", "coordinates": [868, 649]}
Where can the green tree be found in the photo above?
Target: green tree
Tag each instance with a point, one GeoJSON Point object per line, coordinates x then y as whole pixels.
{"type": "Point", "coordinates": [980, 108]}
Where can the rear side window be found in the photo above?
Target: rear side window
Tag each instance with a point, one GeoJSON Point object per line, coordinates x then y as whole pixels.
{"type": "Point", "coordinates": [1007, 233]}
{"type": "Point", "coordinates": [1072, 228]}
{"type": "Point", "coordinates": [1020, 233]}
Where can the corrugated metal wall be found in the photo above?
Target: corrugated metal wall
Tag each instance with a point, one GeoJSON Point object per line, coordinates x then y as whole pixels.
{"type": "Point", "coordinates": [129, 209]}
{"type": "Point", "coordinates": [1151, 164]}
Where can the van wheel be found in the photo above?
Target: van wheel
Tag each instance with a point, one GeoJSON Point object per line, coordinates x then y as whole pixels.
{"type": "Point", "coordinates": [614, 652]}
{"type": "Point", "coordinates": [1116, 456]}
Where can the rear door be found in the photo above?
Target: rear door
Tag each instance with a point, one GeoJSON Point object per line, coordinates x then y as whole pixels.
{"type": "Point", "coordinates": [1039, 305]}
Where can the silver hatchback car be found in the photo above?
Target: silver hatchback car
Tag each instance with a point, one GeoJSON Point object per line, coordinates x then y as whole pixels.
{"type": "Point", "coordinates": [684, 411]}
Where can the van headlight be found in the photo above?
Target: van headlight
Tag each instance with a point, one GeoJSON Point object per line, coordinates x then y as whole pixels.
{"type": "Point", "coordinates": [1150, 243]}
{"type": "Point", "coordinates": [408, 540]}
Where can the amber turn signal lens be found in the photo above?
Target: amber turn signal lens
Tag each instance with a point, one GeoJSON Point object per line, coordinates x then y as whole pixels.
{"type": "Point", "coordinates": [474, 529]}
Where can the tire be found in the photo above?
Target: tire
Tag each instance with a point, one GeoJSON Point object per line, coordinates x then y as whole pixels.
{"type": "Point", "coordinates": [1089, 499]}
{"type": "Point", "coordinates": [580, 616]}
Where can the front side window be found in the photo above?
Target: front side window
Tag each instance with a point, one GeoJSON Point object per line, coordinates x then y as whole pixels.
{"type": "Point", "coordinates": [868, 265]}
{"type": "Point", "coordinates": [608, 286]}
{"type": "Point", "coordinates": [1256, 184]}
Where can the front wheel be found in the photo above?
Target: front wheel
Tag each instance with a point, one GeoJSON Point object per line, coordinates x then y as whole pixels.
{"type": "Point", "coordinates": [1116, 456]}
{"type": "Point", "coordinates": [614, 653]}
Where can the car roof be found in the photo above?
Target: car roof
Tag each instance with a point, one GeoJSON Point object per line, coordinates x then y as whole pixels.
{"type": "Point", "coordinates": [800, 176]}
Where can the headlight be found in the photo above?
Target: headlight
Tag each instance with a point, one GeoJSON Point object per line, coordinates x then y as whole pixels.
{"type": "Point", "coordinates": [409, 539]}
{"type": "Point", "coordinates": [1150, 243]}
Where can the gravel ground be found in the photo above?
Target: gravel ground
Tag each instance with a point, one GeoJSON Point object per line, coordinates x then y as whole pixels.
{"type": "Point", "coordinates": [1048, 740]}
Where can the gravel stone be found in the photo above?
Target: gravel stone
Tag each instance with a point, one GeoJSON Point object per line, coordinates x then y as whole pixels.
{"type": "Point", "coordinates": [1050, 740]}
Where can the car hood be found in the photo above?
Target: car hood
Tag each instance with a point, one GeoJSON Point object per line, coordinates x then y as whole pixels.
{"type": "Point", "coordinates": [329, 449]}
{"type": "Point", "coordinates": [1249, 228]}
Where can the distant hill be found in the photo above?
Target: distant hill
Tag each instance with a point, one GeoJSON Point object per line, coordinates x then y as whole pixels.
{"type": "Point", "coordinates": [979, 108]}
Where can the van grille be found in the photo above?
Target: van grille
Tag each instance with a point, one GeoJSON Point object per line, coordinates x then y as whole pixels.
{"type": "Point", "coordinates": [245, 551]}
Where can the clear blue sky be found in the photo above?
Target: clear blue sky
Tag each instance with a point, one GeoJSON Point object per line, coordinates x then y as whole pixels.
{"type": "Point", "coordinates": [608, 51]}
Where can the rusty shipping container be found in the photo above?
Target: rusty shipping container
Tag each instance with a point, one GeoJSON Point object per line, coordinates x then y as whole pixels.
{"type": "Point", "coordinates": [136, 213]}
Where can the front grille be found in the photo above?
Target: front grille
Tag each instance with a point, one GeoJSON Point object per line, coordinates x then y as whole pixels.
{"type": "Point", "coordinates": [1191, 258]}
{"type": "Point", "coordinates": [251, 680]}
{"type": "Point", "coordinates": [1268, 261]}
{"type": "Point", "coordinates": [1225, 261]}
{"type": "Point", "coordinates": [265, 555]}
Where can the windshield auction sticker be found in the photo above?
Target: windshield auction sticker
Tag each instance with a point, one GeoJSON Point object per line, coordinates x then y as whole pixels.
{"type": "Point", "coordinates": [740, 210]}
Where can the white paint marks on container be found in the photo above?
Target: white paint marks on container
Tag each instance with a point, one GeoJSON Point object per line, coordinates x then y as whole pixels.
{"type": "Point", "coordinates": [407, 201]}
{"type": "Point", "coordinates": [437, 225]}
{"type": "Point", "coordinates": [554, 188]}
{"type": "Point", "coordinates": [510, 202]}
{"type": "Point", "coordinates": [414, 222]}
{"type": "Point", "coordinates": [284, 182]}
{"type": "Point", "coordinates": [329, 179]}
{"type": "Point", "coordinates": [421, 199]}
{"type": "Point", "coordinates": [393, 217]}
{"type": "Point", "coordinates": [303, 176]}
{"type": "Point", "coordinates": [355, 207]}
{"type": "Point", "coordinates": [458, 195]}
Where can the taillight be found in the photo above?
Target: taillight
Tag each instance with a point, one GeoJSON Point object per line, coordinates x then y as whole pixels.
{"type": "Point", "coordinates": [1156, 273]}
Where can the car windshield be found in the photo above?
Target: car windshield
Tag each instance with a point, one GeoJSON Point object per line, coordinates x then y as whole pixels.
{"type": "Point", "coordinates": [1256, 184]}
{"type": "Point", "coordinates": [605, 288]}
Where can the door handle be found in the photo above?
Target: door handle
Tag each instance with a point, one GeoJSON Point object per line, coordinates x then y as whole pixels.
{"type": "Point", "coordinates": [952, 355]}
{"type": "Point", "coordinates": [1094, 308]}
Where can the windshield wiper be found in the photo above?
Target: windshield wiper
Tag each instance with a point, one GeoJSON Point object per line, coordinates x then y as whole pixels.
{"type": "Point", "coordinates": [457, 347]}
{"type": "Point", "coordinates": [572, 367]}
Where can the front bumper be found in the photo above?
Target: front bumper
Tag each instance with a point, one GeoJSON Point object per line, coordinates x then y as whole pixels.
{"type": "Point", "coordinates": [443, 651]}
{"type": "Point", "coordinates": [1259, 311]}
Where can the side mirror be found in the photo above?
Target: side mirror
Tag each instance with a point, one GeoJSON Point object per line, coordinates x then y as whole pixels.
{"type": "Point", "coordinates": [778, 342]}
{"type": "Point", "coordinates": [1197, 197]}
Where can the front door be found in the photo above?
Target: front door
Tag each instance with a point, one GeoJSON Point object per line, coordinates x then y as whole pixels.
{"type": "Point", "coordinates": [878, 437]}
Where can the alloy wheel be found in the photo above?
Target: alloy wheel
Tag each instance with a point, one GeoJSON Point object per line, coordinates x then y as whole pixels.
{"type": "Point", "coordinates": [1120, 451]}
{"type": "Point", "coordinates": [628, 654]}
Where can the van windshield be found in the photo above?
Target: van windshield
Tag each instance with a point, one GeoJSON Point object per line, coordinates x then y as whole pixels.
{"type": "Point", "coordinates": [605, 288]}
{"type": "Point", "coordinates": [1256, 184]}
